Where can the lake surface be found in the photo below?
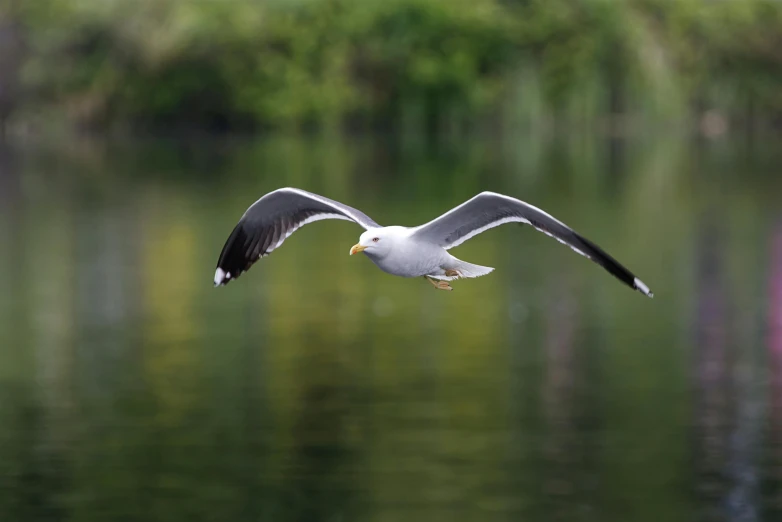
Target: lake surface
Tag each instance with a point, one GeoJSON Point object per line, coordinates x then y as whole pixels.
{"type": "Point", "coordinates": [317, 388]}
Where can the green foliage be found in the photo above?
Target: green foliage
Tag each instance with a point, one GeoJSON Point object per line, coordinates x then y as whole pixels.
{"type": "Point", "coordinates": [298, 62]}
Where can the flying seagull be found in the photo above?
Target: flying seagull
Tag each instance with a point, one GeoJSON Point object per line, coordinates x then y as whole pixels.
{"type": "Point", "coordinates": [420, 251]}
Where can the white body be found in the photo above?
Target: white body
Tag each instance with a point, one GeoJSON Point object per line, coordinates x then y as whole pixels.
{"type": "Point", "coordinates": [394, 251]}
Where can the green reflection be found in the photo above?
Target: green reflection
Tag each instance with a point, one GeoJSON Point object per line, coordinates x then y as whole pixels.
{"type": "Point", "coordinates": [318, 388]}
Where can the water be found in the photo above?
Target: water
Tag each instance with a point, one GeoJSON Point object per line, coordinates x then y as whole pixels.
{"type": "Point", "coordinates": [316, 387]}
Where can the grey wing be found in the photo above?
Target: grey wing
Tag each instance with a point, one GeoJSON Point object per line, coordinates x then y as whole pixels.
{"type": "Point", "coordinates": [271, 220]}
{"type": "Point", "coordinates": [488, 210]}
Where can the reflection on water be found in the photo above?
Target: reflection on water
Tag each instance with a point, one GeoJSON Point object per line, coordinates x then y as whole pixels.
{"type": "Point", "coordinates": [774, 347]}
{"type": "Point", "coordinates": [318, 388]}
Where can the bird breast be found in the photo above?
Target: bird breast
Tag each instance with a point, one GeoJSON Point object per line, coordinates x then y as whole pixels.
{"type": "Point", "coordinates": [411, 259]}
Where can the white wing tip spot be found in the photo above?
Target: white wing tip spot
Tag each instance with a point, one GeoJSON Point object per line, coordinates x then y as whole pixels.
{"type": "Point", "coordinates": [221, 276]}
{"type": "Point", "coordinates": [642, 287]}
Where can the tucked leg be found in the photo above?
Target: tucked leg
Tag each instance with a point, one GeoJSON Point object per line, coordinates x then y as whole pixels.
{"type": "Point", "coordinates": [440, 285]}
{"type": "Point", "coordinates": [451, 272]}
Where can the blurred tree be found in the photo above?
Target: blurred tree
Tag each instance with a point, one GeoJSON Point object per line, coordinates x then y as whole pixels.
{"type": "Point", "coordinates": [11, 59]}
{"type": "Point", "coordinates": [426, 63]}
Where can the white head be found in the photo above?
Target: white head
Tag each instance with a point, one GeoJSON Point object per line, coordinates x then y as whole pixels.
{"type": "Point", "coordinates": [377, 242]}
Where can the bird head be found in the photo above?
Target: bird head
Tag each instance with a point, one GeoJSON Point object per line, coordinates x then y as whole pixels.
{"type": "Point", "coordinates": [376, 242]}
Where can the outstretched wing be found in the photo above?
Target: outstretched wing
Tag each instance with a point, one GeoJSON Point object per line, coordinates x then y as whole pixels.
{"type": "Point", "coordinates": [270, 220]}
{"type": "Point", "coordinates": [488, 210]}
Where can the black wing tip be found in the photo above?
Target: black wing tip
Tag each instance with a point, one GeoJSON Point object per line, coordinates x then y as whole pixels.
{"type": "Point", "coordinates": [601, 257]}
{"type": "Point", "coordinates": [236, 256]}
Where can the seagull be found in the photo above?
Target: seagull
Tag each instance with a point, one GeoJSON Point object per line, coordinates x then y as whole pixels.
{"type": "Point", "coordinates": [420, 251]}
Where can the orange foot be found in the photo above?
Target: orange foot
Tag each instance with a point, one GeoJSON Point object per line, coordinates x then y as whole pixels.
{"type": "Point", "coordinates": [440, 285]}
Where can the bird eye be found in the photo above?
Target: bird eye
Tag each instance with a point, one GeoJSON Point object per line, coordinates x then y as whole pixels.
{"type": "Point", "coordinates": [375, 239]}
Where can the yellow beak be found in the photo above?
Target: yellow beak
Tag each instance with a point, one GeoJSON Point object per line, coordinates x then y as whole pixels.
{"type": "Point", "coordinates": [357, 248]}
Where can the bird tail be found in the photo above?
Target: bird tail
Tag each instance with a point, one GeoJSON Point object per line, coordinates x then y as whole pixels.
{"type": "Point", "coordinates": [467, 270]}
